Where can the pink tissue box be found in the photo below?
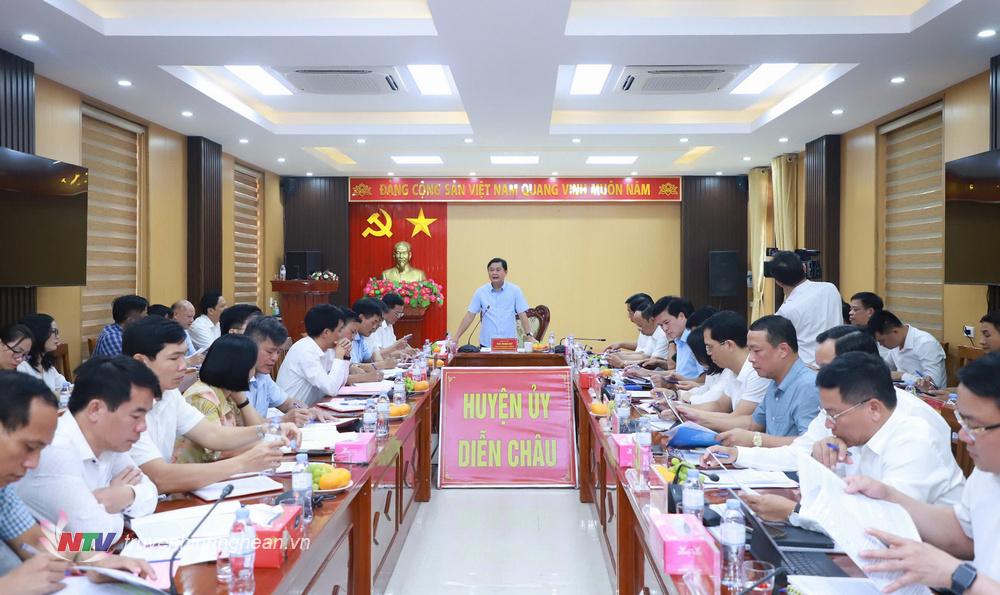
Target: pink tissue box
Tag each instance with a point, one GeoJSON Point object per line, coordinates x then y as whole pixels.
{"type": "Point", "coordinates": [625, 445]}
{"type": "Point", "coordinates": [681, 544]}
{"type": "Point", "coordinates": [359, 450]}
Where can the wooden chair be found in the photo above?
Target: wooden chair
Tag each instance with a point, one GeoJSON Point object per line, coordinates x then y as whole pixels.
{"type": "Point", "coordinates": [968, 353]}
{"type": "Point", "coordinates": [61, 356]}
{"type": "Point", "coordinates": [538, 317]}
{"type": "Point", "coordinates": [958, 448]}
{"type": "Point", "coordinates": [91, 345]}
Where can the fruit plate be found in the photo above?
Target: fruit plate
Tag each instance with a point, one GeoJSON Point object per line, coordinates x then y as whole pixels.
{"type": "Point", "coordinates": [608, 414]}
{"type": "Point", "coordinates": [349, 485]}
{"type": "Point", "coordinates": [398, 417]}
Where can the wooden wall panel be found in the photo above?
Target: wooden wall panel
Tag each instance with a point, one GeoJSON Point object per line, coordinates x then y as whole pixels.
{"type": "Point", "coordinates": [204, 185]}
{"type": "Point", "coordinates": [823, 203]}
{"type": "Point", "coordinates": [713, 217]}
{"type": "Point", "coordinates": [316, 218]}
{"type": "Point", "coordinates": [17, 131]}
{"type": "Point", "coordinates": [995, 102]}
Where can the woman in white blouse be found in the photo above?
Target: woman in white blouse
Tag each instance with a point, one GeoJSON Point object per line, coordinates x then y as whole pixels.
{"type": "Point", "coordinates": [40, 362]}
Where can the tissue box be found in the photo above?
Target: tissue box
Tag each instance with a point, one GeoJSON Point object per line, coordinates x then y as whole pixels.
{"type": "Point", "coordinates": [681, 544]}
{"type": "Point", "coordinates": [625, 446]}
{"type": "Point", "coordinates": [359, 450]}
{"type": "Point", "coordinates": [278, 538]}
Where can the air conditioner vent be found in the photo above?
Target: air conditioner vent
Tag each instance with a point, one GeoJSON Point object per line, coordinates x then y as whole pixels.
{"type": "Point", "coordinates": [337, 80]}
{"type": "Point", "coordinates": [672, 80]}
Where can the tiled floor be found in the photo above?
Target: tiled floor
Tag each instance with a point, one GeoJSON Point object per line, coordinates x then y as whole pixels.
{"type": "Point", "coordinates": [504, 542]}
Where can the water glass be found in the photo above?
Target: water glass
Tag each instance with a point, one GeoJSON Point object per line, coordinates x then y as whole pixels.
{"type": "Point", "coordinates": [222, 568]}
{"type": "Point", "coordinates": [757, 570]}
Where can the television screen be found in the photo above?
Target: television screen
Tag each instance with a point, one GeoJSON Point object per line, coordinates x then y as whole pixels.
{"type": "Point", "coordinates": [972, 219]}
{"type": "Point", "coordinates": [44, 207]}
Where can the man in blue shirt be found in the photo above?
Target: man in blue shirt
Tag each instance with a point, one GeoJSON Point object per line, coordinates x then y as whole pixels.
{"type": "Point", "coordinates": [791, 400]}
{"type": "Point", "coordinates": [499, 303]}
{"type": "Point", "coordinates": [125, 310]}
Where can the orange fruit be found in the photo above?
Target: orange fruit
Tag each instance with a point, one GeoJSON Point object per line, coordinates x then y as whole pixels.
{"type": "Point", "coordinates": [421, 385]}
{"type": "Point", "coordinates": [439, 363]}
{"type": "Point", "coordinates": [397, 410]}
{"type": "Point", "coordinates": [430, 363]}
{"type": "Point", "coordinates": [337, 478]}
{"type": "Point", "coordinates": [606, 372]}
{"type": "Point", "coordinates": [598, 408]}
{"type": "Point", "coordinates": [436, 349]}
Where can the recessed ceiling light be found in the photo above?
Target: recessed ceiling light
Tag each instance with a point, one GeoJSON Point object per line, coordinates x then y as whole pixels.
{"type": "Point", "coordinates": [468, 141]}
{"type": "Point", "coordinates": [263, 81]}
{"type": "Point", "coordinates": [984, 33]}
{"type": "Point", "coordinates": [555, 173]}
{"type": "Point", "coordinates": [124, 83]}
{"type": "Point", "coordinates": [309, 173]}
{"type": "Point", "coordinates": [187, 113]}
{"type": "Point", "coordinates": [611, 159]}
{"type": "Point", "coordinates": [783, 139]}
{"type": "Point", "coordinates": [472, 174]}
{"type": "Point", "coordinates": [553, 179]}
{"type": "Point", "coordinates": [684, 139]}
{"type": "Point", "coordinates": [635, 173]}
{"type": "Point", "coordinates": [577, 141]}
{"type": "Point", "coordinates": [762, 78]}
{"type": "Point", "coordinates": [417, 160]}
{"type": "Point", "coordinates": [589, 79]}
{"type": "Point", "coordinates": [390, 174]}
{"type": "Point", "coordinates": [897, 80]}
{"type": "Point", "coordinates": [244, 141]}
{"type": "Point", "coordinates": [361, 141]}
{"type": "Point", "coordinates": [281, 159]}
{"type": "Point", "coordinates": [718, 173]}
{"type": "Point", "coordinates": [431, 79]}
{"type": "Point", "coordinates": [746, 158]}
{"type": "Point", "coordinates": [837, 112]}
{"type": "Point", "coordinates": [514, 159]}
{"type": "Point", "coordinates": [33, 38]}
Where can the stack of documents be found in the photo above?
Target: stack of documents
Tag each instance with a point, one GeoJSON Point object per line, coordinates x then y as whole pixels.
{"type": "Point", "coordinates": [323, 436]}
{"type": "Point", "coordinates": [750, 478]}
{"type": "Point", "coordinates": [344, 405]}
{"type": "Point", "coordinates": [255, 484]}
{"type": "Point", "coordinates": [366, 388]}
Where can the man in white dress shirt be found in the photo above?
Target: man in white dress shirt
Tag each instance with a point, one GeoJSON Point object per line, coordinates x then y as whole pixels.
{"type": "Point", "coordinates": [812, 306]}
{"type": "Point", "coordinates": [966, 531]}
{"type": "Point", "coordinates": [913, 354]}
{"type": "Point", "coordinates": [383, 341]}
{"type": "Point", "coordinates": [652, 343]}
{"type": "Point", "coordinates": [86, 472]}
{"type": "Point", "coordinates": [872, 436]}
{"type": "Point", "coordinates": [159, 344]}
{"type": "Point", "coordinates": [636, 303]}
{"type": "Point", "coordinates": [317, 365]}
{"type": "Point", "coordinates": [205, 329]}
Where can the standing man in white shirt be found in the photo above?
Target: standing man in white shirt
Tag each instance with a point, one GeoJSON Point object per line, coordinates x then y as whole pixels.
{"type": "Point", "coordinates": [812, 306]}
{"type": "Point", "coordinates": [159, 344]}
{"type": "Point", "coordinates": [205, 328]}
{"type": "Point", "coordinates": [913, 353]}
{"type": "Point", "coordinates": [318, 364]}
{"type": "Point", "coordinates": [873, 437]}
{"type": "Point", "coordinates": [86, 472]}
{"type": "Point", "coordinates": [953, 535]}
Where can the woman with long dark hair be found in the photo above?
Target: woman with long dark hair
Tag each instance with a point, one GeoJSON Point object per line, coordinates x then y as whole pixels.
{"type": "Point", "coordinates": [40, 362]}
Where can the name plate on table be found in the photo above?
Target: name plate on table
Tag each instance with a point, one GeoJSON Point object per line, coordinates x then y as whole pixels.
{"type": "Point", "coordinates": [503, 345]}
{"type": "Point", "coordinates": [507, 427]}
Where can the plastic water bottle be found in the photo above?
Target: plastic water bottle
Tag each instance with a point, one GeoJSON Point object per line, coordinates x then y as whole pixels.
{"type": "Point", "coordinates": [623, 407]}
{"type": "Point", "coordinates": [427, 349]}
{"type": "Point", "coordinates": [382, 419]}
{"type": "Point", "coordinates": [273, 434]}
{"type": "Point", "coordinates": [369, 419]}
{"type": "Point", "coordinates": [694, 495]}
{"type": "Point", "coordinates": [64, 394]}
{"type": "Point", "coordinates": [552, 342]}
{"type": "Point", "coordinates": [282, 273]}
{"type": "Point", "coordinates": [734, 537]}
{"type": "Point", "coordinates": [302, 486]}
{"type": "Point", "coordinates": [242, 540]}
{"type": "Point", "coordinates": [447, 344]}
{"type": "Point", "coordinates": [399, 391]}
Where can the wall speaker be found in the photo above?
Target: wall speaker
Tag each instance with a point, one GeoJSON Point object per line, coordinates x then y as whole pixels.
{"type": "Point", "coordinates": [726, 275]}
{"type": "Point", "coordinates": [299, 265]}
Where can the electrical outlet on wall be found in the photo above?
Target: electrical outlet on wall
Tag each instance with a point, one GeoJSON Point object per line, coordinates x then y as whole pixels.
{"type": "Point", "coordinates": [969, 331]}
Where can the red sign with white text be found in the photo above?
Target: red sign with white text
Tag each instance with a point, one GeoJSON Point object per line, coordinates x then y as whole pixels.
{"type": "Point", "coordinates": [515, 189]}
{"type": "Point", "coordinates": [507, 427]}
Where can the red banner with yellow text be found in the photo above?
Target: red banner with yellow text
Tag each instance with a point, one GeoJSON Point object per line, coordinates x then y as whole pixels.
{"type": "Point", "coordinates": [658, 189]}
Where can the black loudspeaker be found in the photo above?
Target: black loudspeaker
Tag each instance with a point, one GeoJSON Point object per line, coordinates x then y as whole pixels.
{"type": "Point", "coordinates": [726, 276]}
{"type": "Point", "coordinates": [299, 265]}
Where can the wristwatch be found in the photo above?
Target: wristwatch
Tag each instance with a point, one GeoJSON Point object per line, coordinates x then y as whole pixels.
{"type": "Point", "coordinates": [758, 440]}
{"type": "Point", "coordinates": [963, 577]}
{"type": "Point", "coordinates": [243, 404]}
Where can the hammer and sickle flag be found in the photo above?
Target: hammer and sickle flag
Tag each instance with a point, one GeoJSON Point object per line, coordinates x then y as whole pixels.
{"type": "Point", "coordinates": [383, 223]}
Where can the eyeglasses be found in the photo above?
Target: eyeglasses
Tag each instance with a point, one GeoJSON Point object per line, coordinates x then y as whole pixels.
{"type": "Point", "coordinates": [55, 332]}
{"type": "Point", "coordinates": [973, 433]}
{"type": "Point", "coordinates": [18, 353]}
{"type": "Point", "coordinates": [833, 418]}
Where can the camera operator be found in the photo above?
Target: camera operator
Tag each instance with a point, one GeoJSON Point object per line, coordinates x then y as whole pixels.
{"type": "Point", "coordinates": [812, 306]}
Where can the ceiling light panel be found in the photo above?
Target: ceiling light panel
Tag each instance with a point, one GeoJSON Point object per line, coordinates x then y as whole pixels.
{"type": "Point", "coordinates": [260, 79]}
{"type": "Point", "coordinates": [589, 79]}
{"type": "Point", "coordinates": [762, 78]}
{"type": "Point", "coordinates": [611, 159]}
{"type": "Point", "coordinates": [431, 79]}
{"type": "Point", "coordinates": [417, 160]}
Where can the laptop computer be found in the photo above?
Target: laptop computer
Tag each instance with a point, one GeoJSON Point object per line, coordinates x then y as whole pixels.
{"type": "Point", "coordinates": [763, 547]}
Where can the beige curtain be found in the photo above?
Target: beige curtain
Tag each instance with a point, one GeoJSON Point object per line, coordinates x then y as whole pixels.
{"type": "Point", "coordinates": [760, 194]}
{"type": "Point", "coordinates": [784, 178]}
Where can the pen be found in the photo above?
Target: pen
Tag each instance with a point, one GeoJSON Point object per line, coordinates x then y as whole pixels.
{"type": "Point", "coordinates": [30, 549]}
{"type": "Point", "coordinates": [721, 455]}
{"type": "Point", "coordinates": [833, 447]}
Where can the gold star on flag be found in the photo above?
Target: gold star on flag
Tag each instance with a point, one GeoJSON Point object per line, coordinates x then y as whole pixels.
{"type": "Point", "coordinates": [421, 224]}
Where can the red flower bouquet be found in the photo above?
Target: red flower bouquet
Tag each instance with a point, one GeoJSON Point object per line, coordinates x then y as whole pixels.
{"type": "Point", "coordinates": [420, 294]}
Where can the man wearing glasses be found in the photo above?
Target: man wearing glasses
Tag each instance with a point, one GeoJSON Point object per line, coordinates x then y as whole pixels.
{"type": "Point", "coordinates": [16, 340]}
{"type": "Point", "coordinates": [968, 530]}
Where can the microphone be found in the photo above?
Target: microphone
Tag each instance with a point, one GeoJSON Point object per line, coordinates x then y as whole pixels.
{"type": "Point", "coordinates": [589, 339]}
{"type": "Point", "coordinates": [473, 331]}
{"type": "Point", "coordinates": [228, 489]}
{"type": "Point", "coordinates": [770, 575]}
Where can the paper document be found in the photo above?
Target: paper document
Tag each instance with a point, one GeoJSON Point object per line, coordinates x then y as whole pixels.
{"type": "Point", "coordinates": [241, 487]}
{"type": "Point", "coordinates": [845, 517]}
{"type": "Point", "coordinates": [392, 372]}
{"type": "Point", "coordinates": [343, 405]}
{"type": "Point", "coordinates": [322, 437]}
{"type": "Point", "coordinates": [366, 388]}
{"type": "Point", "coordinates": [830, 585]}
{"type": "Point", "coordinates": [173, 525]}
{"type": "Point", "coordinates": [195, 551]}
{"type": "Point", "coordinates": [640, 394]}
{"type": "Point", "coordinates": [121, 576]}
{"type": "Point", "coordinates": [749, 478]}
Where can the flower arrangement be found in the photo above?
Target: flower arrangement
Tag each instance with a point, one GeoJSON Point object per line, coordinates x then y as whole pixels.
{"type": "Point", "coordinates": [418, 294]}
{"type": "Point", "coordinates": [324, 276]}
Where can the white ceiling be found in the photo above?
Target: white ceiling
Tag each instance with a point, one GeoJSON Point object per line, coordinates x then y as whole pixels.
{"type": "Point", "coordinates": [510, 63]}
